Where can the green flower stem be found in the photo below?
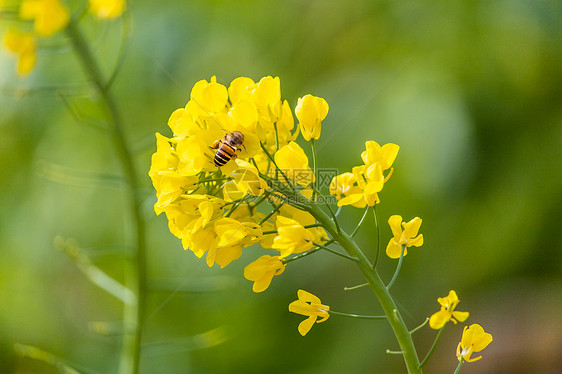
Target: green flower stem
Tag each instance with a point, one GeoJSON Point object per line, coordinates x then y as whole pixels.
{"type": "Point", "coordinates": [420, 326]}
{"type": "Point", "coordinates": [306, 227]}
{"type": "Point", "coordinates": [276, 167]}
{"type": "Point", "coordinates": [388, 351]}
{"type": "Point", "coordinates": [398, 267]}
{"type": "Point", "coordinates": [335, 252]}
{"type": "Point", "coordinates": [314, 170]}
{"type": "Point", "coordinates": [379, 289]}
{"type": "Point", "coordinates": [307, 253]}
{"type": "Point", "coordinates": [360, 223]}
{"type": "Point", "coordinates": [459, 367]}
{"type": "Point", "coordinates": [355, 287]}
{"type": "Point", "coordinates": [356, 315]}
{"type": "Point", "coordinates": [133, 312]}
{"type": "Point", "coordinates": [378, 236]}
{"type": "Point", "coordinates": [432, 346]}
{"type": "Point", "coordinates": [43, 356]}
{"type": "Point", "coordinates": [334, 217]}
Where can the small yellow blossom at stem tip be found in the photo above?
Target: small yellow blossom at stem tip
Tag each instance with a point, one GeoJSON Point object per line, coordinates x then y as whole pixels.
{"type": "Point", "coordinates": [311, 111]}
{"type": "Point", "coordinates": [447, 312]}
{"type": "Point", "coordinates": [262, 271]}
{"type": "Point", "coordinates": [474, 339]}
{"type": "Point", "coordinates": [311, 306]}
{"type": "Point", "coordinates": [405, 234]}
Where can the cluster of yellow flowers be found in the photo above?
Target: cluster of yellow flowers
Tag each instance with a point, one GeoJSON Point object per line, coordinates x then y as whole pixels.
{"type": "Point", "coordinates": [48, 18]}
{"type": "Point", "coordinates": [214, 210]}
{"type": "Point", "coordinates": [361, 187]}
{"type": "Point", "coordinates": [474, 339]}
{"type": "Point", "coordinates": [231, 175]}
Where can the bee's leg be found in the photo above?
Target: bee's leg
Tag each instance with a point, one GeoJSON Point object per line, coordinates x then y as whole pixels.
{"type": "Point", "coordinates": [237, 149]}
{"type": "Point", "coordinates": [216, 144]}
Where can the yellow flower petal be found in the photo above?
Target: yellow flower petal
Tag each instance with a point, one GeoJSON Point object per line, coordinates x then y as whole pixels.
{"type": "Point", "coordinates": [23, 44]}
{"type": "Point", "coordinates": [262, 271]}
{"type": "Point", "coordinates": [308, 297]}
{"type": "Point", "coordinates": [355, 199]}
{"type": "Point", "coordinates": [49, 16]}
{"type": "Point", "coordinates": [439, 319]}
{"type": "Point", "coordinates": [411, 228]}
{"type": "Point", "coordinates": [309, 305]}
{"type": "Point", "coordinates": [460, 316]}
{"type": "Point", "coordinates": [311, 111]}
{"type": "Point", "coordinates": [393, 249]}
{"type": "Point", "coordinates": [306, 325]}
{"type": "Point", "coordinates": [474, 339]}
{"type": "Point", "coordinates": [107, 9]}
{"type": "Point", "coordinates": [395, 223]}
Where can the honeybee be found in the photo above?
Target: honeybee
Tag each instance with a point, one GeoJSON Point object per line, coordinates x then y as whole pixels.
{"type": "Point", "coordinates": [227, 147]}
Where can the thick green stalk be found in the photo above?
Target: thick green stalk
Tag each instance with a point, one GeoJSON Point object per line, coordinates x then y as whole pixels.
{"type": "Point", "coordinates": [375, 282]}
{"type": "Point", "coordinates": [136, 279]}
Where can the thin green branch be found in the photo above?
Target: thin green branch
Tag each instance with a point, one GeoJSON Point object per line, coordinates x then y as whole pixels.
{"type": "Point", "coordinates": [277, 167]}
{"type": "Point", "coordinates": [459, 366]}
{"type": "Point", "coordinates": [300, 255]}
{"type": "Point", "coordinates": [133, 313]}
{"type": "Point", "coordinates": [126, 27]}
{"type": "Point", "coordinates": [388, 351]}
{"type": "Point", "coordinates": [76, 177]}
{"type": "Point", "coordinates": [335, 252]}
{"type": "Point", "coordinates": [360, 316]}
{"type": "Point", "coordinates": [38, 354]}
{"type": "Point", "coordinates": [314, 169]}
{"type": "Point", "coordinates": [307, 253]}
{"type": "Point", "coordinates": [360, 222]}
{"type": "Point", "coordinates": [420, 326]}
{"type": "Point", "coordinates": [94, 273]}
{"type": "Point", "coordinates": [306, 227]}
{"type": "Point", "coordinates": [398, 267]}
{"type": "Point", "coordinates": [276, 208]}
{"type": "Point", "coordinates": [355, 287]}
{"type": "Point", "coordinates": [334, 218]}
{"type": "Point", "coordinates": [378, 237]}
{"type": "Point", "coordinates": [430, 352]}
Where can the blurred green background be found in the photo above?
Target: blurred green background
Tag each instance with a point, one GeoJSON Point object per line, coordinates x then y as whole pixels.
{"type": "Point", "coordinates": [470, 90]}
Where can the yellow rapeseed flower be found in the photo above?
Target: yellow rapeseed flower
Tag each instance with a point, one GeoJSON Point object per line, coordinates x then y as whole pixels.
{"type": "Point", "coordinates": [292, 160]}
{"type": "Point", "coordinates": [262, 271]}
{"type": "Point", "coordinates": [107, 9]}
{"type": "Point", "coordinates": [291, 237]}
{"type": "Point", "coordinates": [23, 45]}
{"type": "Point", "coordinates": [447, 312]}
{"type": "Point", "coordinates": [311, 111]}
{"type": "Point", "coordinates": [49, 16]}
{"type": "Point", "coordinates": [311, 306]}
{"type": "Point", "coordinates": [474, 339]}
{"type": "Point", "coordinates": [408, 237]}
{"type": "Point", "coordinates": [246, 181]}
{"type": "Point", "coordinates": [347, 192]}
{"type": "Point", "coordinates": [362, 186]}
{"type": "Point", "coordinates": [304, 218]}
{"type": "Point", "coordinates": [384, 155]}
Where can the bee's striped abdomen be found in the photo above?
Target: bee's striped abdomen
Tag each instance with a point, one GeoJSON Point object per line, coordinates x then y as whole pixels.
{"type": "Point", "coordinates": [224, 154]}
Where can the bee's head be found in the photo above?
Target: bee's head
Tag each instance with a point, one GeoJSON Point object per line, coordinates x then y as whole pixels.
{"type": "Point", "coordinates": [235, 138]}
